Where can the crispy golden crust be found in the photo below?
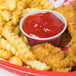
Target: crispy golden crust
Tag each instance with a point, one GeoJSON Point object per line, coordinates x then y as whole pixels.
{"type": "Point", "coordinates": [70, 14]}
{"type": "Point", "coordinates": [52, 56]}
{"type": "Point", "coordinates": [16, 60]}
{"type": "Point", "coordinates": [74, 5]}
{"type": "Point", "coordinates": [4, 44]}
{"type": "Point", "coordinates": [5, 54]}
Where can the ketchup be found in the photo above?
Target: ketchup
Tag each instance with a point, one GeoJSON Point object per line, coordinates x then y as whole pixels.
{"type": "Point", "coordinates": [43, 25]}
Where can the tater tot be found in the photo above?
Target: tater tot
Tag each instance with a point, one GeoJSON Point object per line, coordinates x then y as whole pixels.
{"type": "Point", "coordinates": [9, 25]}
{"type": "Point", "coordinates": [1, 19]}
{"type": "Point", "coordinates": [4, 44]}
{"type": "Point", "coordinates": [5, 54]}
{"type": "Point", "coordinates": [23, 37]}
{"type": "Point", "coordinates": [11, 4]}
{"type": "Point", "coordinates": [34, 4]}
{"type": "Point", "coordinates": [17, 11]}
{"type": "Point", "coordinates": [24, 52]}
{"type": "Point", "coordinates": [1, 24]}
{"type": "Point", "coordinates": [16, 60]}
{"type": "Point", "coordinates": [21, 4]}
{"type": "Point", "coordinates": [3, 6]}
{"type": "Point", "coordinates": [6, 15]}
{"type": "Point", "coordinates": [16, 30]}
{"type": "Point", "coordinates": [16, 15]}
{"type": "Point", "coordinates": [27, 10]}
{"type": "Point", "coordinates": [38, 65]}
{"type": "Point", "coordinates": [46, 4]}
{"type": "Point", "coordinates": [15, 19]}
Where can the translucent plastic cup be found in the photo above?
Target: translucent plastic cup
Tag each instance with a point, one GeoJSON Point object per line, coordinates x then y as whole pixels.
{"type": "Point", "coordinates": [54, 39]}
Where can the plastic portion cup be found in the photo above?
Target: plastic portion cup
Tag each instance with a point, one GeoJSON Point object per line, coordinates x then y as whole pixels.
{"type": "Point", "coordinates": [54, 39]}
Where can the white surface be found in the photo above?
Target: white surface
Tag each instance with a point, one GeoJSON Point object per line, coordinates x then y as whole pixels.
{"type": "Point", "coordinates": [6, 73]}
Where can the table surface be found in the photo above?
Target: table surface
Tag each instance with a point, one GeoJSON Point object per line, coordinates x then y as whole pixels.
{"type": "Point", "coordinates": [6, 73]}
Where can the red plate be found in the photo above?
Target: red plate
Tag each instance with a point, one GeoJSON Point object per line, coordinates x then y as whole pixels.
{"type": "Point", "coordinates": [31, 72]}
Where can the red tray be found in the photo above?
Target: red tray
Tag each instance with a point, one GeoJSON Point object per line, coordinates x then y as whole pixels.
{"type": "Point", "coordinates": [23, 71]}
{"type": "Point", "coordinates": [31, 72]}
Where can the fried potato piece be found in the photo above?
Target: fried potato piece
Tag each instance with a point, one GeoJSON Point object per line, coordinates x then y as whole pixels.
{"type": "Point", "coordinates": [52, 56]}
{"type": "Point", "coordinates": [42, 4]}
{"type": "Point", "coordinates": [15, 19]}
{"type": "Point", "coordinates": [72, 52]}
{"type": "Point", "coordinates": [11, 4]}
{"type": "Point", "coordinates": [1, 24]}
{"type": "Point", "coordinates": [3, 5]}
{"type": "Point", "coordinates": [9, 25]}
{"type": "Point", "coordinates": [16, 30]}
{"type": "Point", "coordinates": [21, 4]}
{"type": "Point", "coordinates": [38, 65]}
{"type": "Point", "coordinates": [27, 10]}
{"type": "Point", "coordinates": [4, 44]}
{"type": "Point", "coordinates": [1, 18]}
{"type": "Point", "coordinates": [5, 54]}
{"type": "Point", "coordinates": [23, 37]}
{"type": "Point", "coordinates": [62, 69]}
{"type": "Point", "coordinates": [35, 4]}
{"type": "Point", "coordinates": [16, 15]}
{"type": "Point", "coordinates": [1, 1]}
{"type": "Point", "coordinates": [6, 15]}
{"type": "Point", "coordinates": [23, 51]}
{"type": "Point", "coordinates": [1, 21]}
{"type": "Point", "coordinates": [46, 4]}
{"type": "Point", "coordinates": [27, 2]}
{"type": "Point", "coordinates": [16, 60]}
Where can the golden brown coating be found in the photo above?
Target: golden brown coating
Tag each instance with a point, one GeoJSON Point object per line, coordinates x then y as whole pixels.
{"type": "Point", "coordinates": [72, 52]}
{"type": "Point", "coordinates": [52, 56]}
{"type": "Point", "coordinates": [70, 14]}
{"type": "Point", "coordinates": [74, 4]}
{"type": "Point", "coordinates": [62, 69]}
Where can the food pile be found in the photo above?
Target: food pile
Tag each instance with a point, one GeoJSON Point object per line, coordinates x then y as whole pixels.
{"type": "Point", "coordinates": [15, 47]}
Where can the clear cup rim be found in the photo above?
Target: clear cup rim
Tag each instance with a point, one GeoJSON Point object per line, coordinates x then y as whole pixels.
{"type": "Point", "coordinates": [40, 11]}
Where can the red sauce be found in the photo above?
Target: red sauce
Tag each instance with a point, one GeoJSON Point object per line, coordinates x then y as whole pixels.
{"type": "Point", "coordinates": [43, 25]}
